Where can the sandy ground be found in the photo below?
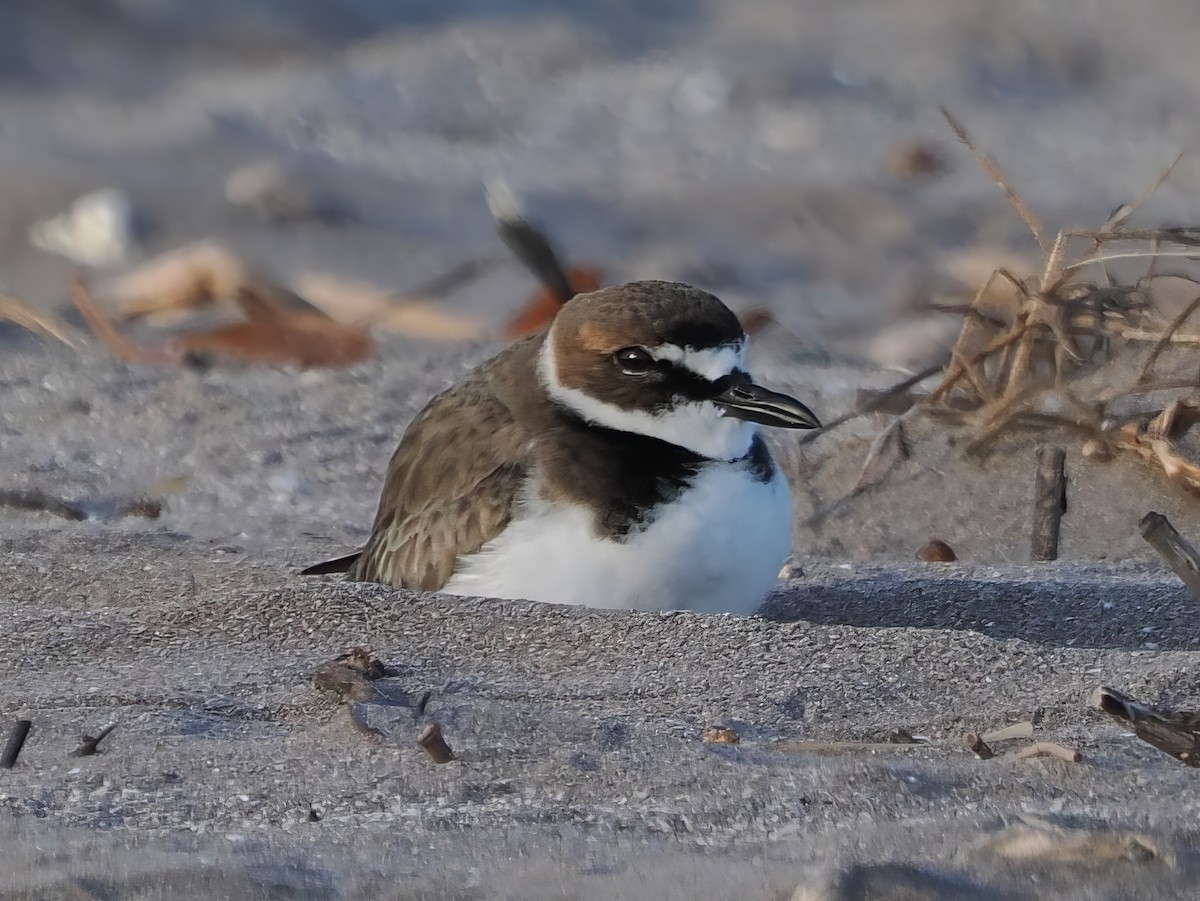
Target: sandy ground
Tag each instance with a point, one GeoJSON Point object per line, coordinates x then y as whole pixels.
{"type": "Point", "coordinates": [741, 147]}
{"type": "Point", "coordinates": [581, 772]}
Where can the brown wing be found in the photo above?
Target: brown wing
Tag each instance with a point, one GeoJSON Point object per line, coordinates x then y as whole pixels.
{"type": "Point", "coordinates": [450, 486]}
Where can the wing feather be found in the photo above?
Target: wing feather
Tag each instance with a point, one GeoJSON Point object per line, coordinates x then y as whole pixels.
{"type": "Point", "coordinates": [450, 485]}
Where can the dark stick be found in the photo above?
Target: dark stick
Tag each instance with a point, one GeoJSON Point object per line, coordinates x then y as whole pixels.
{"type": "Point", "coordinates": [1049, 502]}
{"type": "Point", "coordinates": [91, 743]}
{"type": "Point", "coordinates": [1174, 548]}
{"type": "Point", "coordinates": [16, 741]}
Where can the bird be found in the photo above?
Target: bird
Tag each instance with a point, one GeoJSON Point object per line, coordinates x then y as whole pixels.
{"type": "Point", "coordinates": [614, 460]}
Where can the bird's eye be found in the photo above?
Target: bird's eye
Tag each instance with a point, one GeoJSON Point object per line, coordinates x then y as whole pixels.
{"type": "Point", "coordinates": [634, 360]}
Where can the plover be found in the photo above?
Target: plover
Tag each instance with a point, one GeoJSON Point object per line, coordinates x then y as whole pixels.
{"type": "Point", "coordinates": [614, 460]}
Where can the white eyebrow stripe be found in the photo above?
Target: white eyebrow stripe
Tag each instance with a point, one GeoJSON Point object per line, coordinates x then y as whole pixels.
{"type": "Point", "coordinates": [711, 363]}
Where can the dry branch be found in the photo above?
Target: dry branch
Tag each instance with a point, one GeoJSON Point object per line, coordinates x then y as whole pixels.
{"type": "Point", "coordinates": [1173, 732]}
{"type": "Point", "coordinates": [992, 168]}
{"type": "Point", "coordinates": [875, 404]}
{"type": "Point", "coordinates": [1173, 548]}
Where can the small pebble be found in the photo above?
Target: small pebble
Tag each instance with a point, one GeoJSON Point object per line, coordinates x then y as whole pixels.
{"type": "Point", "coordinates": [937, 551]}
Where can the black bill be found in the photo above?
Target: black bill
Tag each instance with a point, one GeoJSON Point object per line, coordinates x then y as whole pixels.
{"type": "Point", "coordinates": [746, 400]}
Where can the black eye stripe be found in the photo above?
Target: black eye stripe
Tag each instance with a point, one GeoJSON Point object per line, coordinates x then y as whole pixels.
{"type": "Point", "coordinates": [680, 382]}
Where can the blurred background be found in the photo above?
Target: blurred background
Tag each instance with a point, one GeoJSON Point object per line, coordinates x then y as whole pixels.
{"type": "Point", "coordinates": [788, 156]}
{"type": "Point", "coordinates": [779, 153]}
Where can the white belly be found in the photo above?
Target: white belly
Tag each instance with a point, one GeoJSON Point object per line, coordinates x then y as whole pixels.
{"type": "Point", "coordinates": [718, 547]}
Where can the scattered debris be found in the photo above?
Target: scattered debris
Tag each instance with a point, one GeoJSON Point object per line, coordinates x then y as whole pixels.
{"type": "Point", "coordinates": [274, 334]}
{"type": "Point", "coordinates": [433, 744]}
{"type": "Point", "coordinates": [978, 746]}
{"type": "Point", "coordinates": [719, 735]}
{"type": "Point", "coordinates": [1049, 503]}
{"type": "Point", "coordinates": [1050, 845]}
{"type": "Point", "coordinates": [1022, 729]}
{"type": "Point", "coordinates": [1174, 548]}
{"type": "Point", "coordinates": [16, 741]}
{"type": "Point", "coordinates": [936, 551]}
{"type": "Point", "coordinates": [360, 302]}
{"type": "Point", "coordinates": [1173, 732]}
{"type": "Point", "coordinates": [90, 744]}
{"type": "Point", "coordinates": [1157, 441]}
{"type": "Point", "coordinates": [106, 509]}
{"type": "Point", "coordinates": [38, 322]}
{"type": "Point", "coordinates": [350, 676]}
{"type": "Point", "coordinates": [1048, 749]}
{"type": "Point", "coordinates": [97, 230]}
{"type": "Point", "coordinates": [168, 289]}
{"type": "Point", "coordinates": [171, 286]}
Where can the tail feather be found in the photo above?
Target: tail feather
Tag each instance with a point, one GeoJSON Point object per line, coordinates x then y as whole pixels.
{"type": "Point", "coordinates": [336, 565]}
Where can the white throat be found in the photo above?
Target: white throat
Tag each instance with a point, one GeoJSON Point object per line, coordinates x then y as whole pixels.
{"type": "Point", "coordinates": [701, 427]}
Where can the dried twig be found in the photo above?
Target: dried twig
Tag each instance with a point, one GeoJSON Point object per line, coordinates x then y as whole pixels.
{"type": "Point", "coordinates": [1166, 338]}
{"type": "Point", "coordinates": [91, 743]}
{"type": "Point", "coordinates": [1048, 749]}
{"type": "Point", "coordinates": [876, 403]}
{"type": "Point", "coordinates": [16, 741]}
{"type": "Point", "coordinates": [1049, 502]}
{"type": "Point", "coordinates": [37, 321]}
{"type": "Point", "coordinates": [1173, 548]}
{"type": "Point", "coordinates": [888, 451]}
{"type": "Point", "coordinates": [992, 168]}
{"type": "Point", "coordinates": [124, 349]}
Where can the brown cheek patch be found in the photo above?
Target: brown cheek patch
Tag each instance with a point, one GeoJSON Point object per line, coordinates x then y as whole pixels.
{"type": "Point", "coordinates": [596, 338]}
